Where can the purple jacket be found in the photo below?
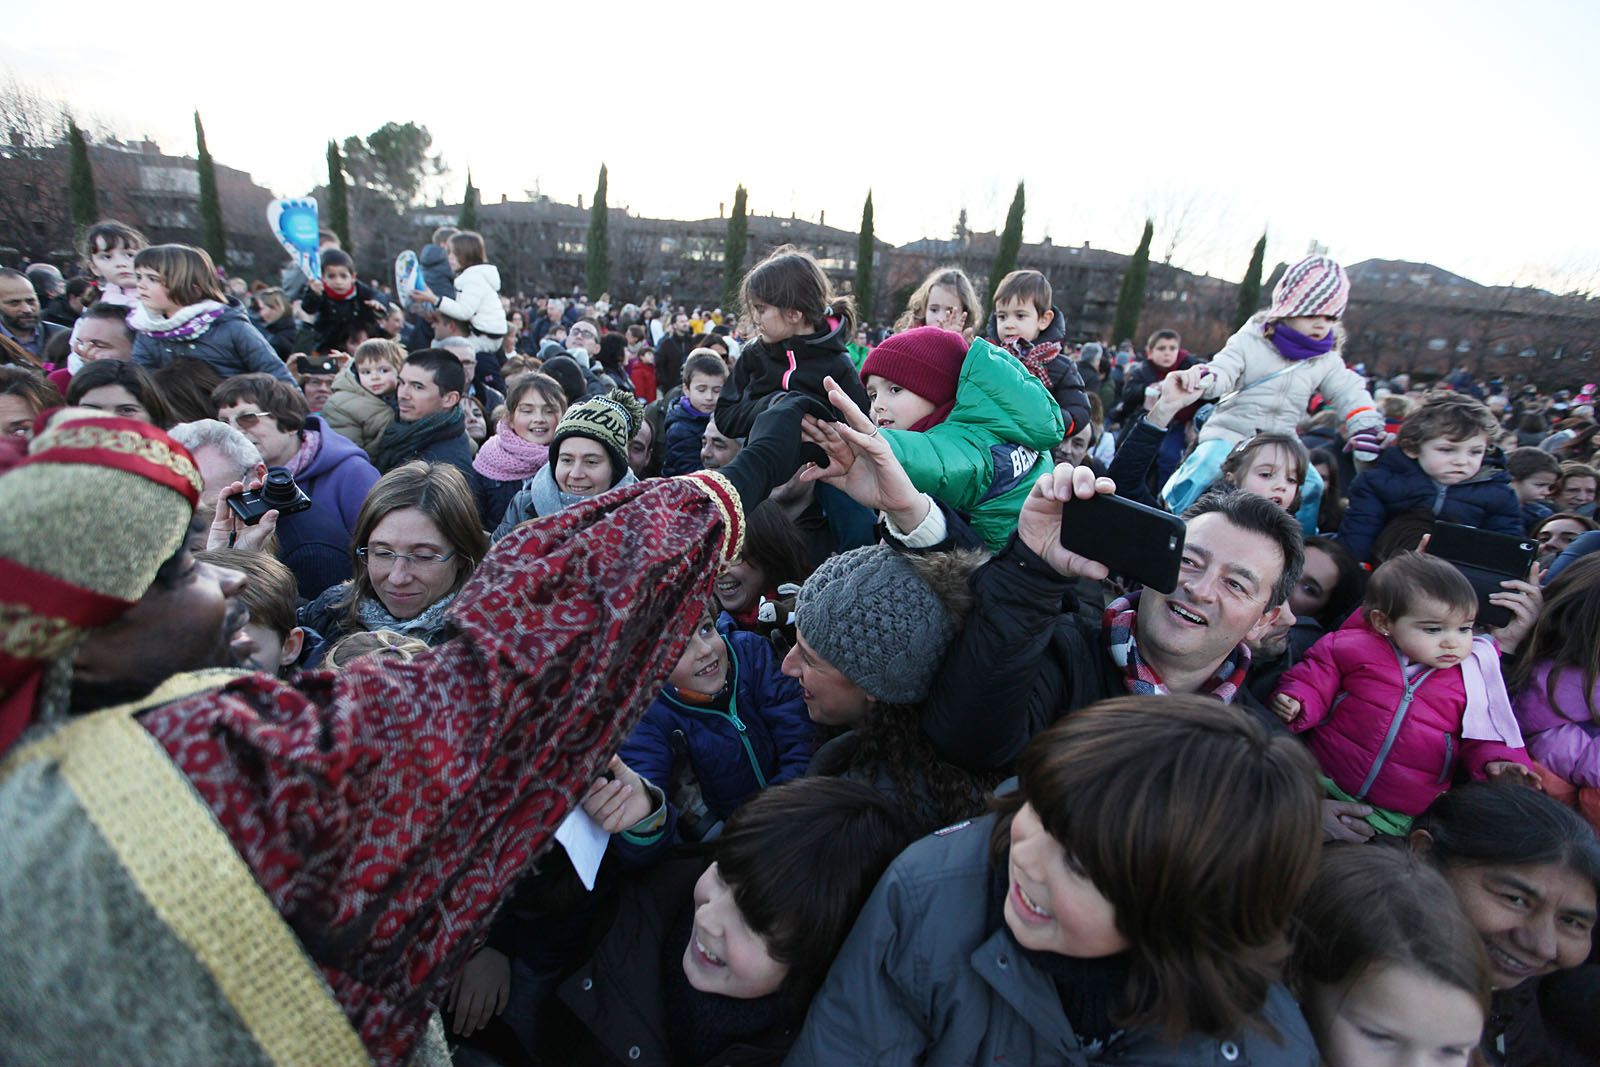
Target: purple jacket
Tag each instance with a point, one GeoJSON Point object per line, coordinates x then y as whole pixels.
{"type": "Point", "coordinates": [1566, 737]}
{"type": "Point", "coordinates": [315, 543]}
{"type": "Point", "coordinates": [1382, 739]}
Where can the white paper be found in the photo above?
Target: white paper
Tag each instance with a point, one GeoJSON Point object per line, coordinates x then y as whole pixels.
{"type": "Point", "coordinates": [585, 843]}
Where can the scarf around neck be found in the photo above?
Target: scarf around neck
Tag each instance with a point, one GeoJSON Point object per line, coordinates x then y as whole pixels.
{"type": "Point", "coordinates": [506, 457]}
{"type": "Point", "coordinates": [1294, 345]}
{"type": "Point", "coordinates": [425, 627]}
{"type": "Point", "coordinates": [310, 445]}
{"type": "Point", "coordinates": [1141, 678]}
{"type": "Point", "coordinates": [402, 441]}
{"type": "Point", "coordinates": [185, 324]}
{"type": "Point", "coordinates": [549, 498]}
{"type": "Point", "coordinates": [1035, 357]}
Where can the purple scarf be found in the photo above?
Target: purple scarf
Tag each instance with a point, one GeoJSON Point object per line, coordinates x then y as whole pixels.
{"type": "Point", "coordinates": [505, 457]}
{"type": "Point", "coordinates": [1294, 345]}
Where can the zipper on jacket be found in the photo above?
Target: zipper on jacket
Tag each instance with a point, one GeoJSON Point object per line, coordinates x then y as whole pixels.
{"type": "Point", "coordinates": [1449, 757]}
{"type": "Point", "coordinates": [1394, 726]}
{"type": "Point", "coordinates": [732, 715]}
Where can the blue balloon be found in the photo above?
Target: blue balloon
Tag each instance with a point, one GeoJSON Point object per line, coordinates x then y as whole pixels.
{"type": "Point", "coordinates": [294, 224]}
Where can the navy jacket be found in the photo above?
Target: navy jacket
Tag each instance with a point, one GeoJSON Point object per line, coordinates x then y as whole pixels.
{"type": "Point", "coordinates": [764, 737]}
{"type": "Point", "coordinates": [315, 543]}
{"type": "Point", "coordinates": [231, 345]}
{"type": "Point", "coordinates": [435, 264]}
{"type": "Point", "coordinates": [685, 429]}
{"type": "Point", "coordinates": [1396, 484]}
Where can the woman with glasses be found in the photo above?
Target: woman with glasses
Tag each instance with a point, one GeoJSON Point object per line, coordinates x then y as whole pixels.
{"type": "Point", "coordinates": [416, 542]}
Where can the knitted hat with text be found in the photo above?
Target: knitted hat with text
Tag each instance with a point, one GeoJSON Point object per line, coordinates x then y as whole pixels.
{"type": "Point", "coordinates": [1314, 286]}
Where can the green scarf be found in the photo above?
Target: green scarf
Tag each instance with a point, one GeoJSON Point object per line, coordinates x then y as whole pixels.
{"type": "Point", "coordinates": [404, 441]}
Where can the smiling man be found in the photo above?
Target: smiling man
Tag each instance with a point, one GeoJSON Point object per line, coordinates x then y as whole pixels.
{"type": "Point", "coordinates": [1020, 664]}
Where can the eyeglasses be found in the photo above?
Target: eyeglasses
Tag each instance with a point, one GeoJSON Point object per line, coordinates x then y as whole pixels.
{"type": "Point", "coordinates": [246, 420]}
{"type": "Point", "coordinates": [382, 557]}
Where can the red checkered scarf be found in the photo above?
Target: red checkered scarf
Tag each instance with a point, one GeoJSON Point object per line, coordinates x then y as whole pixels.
{"type": "Point", "coordinates": [1035, 357]}
{"type": "Point", "coordinates": [387, 810]}
{"type": "Point", "coordinates": [1141, 678]}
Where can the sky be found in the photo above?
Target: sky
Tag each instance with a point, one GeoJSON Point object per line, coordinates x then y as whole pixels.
{"type": "Point", "coordinates": [1463, 134]}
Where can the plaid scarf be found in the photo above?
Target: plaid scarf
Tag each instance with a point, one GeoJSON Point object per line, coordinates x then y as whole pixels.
{"type": "Point", "coordinates": [1035, 357]}
{"type": "Point", "coordinates": [1141, 678]}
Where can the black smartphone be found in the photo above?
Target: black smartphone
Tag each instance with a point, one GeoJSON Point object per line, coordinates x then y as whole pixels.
{"type": "Point", "coordinates": [1486, 559]}
{"type": "Point", "coordinates": [1135, 542]}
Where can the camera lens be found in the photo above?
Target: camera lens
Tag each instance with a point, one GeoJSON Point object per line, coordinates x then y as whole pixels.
{"type": "Point", "coordinates": [278, 490]}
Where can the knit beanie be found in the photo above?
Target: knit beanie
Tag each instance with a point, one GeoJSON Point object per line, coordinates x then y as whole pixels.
{"type": "Point", "coordinates": [611, 420]}
{"type": "Point", "coordinates": [90, 516]}
{"type": "Point", "coordinates": [1314, 286]}
{"type": "Point", "coordinates": [926, 360]}
{"type": "Point", "coordinates": [565, 370]}
{"type": "Point", "coordinates": [872, 617]}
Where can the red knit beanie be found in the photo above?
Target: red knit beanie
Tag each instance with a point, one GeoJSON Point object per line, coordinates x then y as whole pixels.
{"type": "Point", "coordinates": [926, 360]}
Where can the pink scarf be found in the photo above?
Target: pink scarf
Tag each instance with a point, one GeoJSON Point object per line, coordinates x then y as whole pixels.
{"type": "Point", "coordinates": [1489, 716]}
{"type": "Point", "coordinates": [310, 445]}
{"type": "Point", "coordinates": [505, 457]}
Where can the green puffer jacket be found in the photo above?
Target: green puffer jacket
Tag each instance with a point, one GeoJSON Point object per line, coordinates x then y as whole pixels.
{"type": "Point", "coordinates": [984, 458]}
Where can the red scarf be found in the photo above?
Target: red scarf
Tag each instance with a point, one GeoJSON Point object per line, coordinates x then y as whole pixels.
{"type": "Point", "coordinates": [1035, 357]}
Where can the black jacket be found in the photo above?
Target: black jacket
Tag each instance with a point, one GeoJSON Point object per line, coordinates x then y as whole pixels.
{"type": "Point", "coordinates": [336, 318]}
{"type": "Point", "coordinates": [1066, 381]}
{"type": "Point", "coordinates": [670, 357]}
{"type": "Point", "coordinates": [797, 365]}
{"type": "Point", "coordinates": [1140, 377]}
{"type": "Point", "coordinates": [1019, 665]}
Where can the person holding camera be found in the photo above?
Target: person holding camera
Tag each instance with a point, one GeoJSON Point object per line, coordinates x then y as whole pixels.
{"type": "Point", "coordinates": [328, 470]}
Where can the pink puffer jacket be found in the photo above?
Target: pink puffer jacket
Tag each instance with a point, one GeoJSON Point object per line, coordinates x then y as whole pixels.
{"type": "Point", "coordinates": [1395, 744]}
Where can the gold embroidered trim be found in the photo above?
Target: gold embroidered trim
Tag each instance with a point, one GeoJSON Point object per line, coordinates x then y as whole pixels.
{"type": "Point", "coordinates": [732, 522]}
{"type": "Point", "coordinates": [188, 871]}
{"type": "Point", "coordinates": [127, 442]}
{"type": "Point", "coordinates": [27, 634]}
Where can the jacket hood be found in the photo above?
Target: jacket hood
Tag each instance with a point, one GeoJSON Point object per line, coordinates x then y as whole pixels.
{"type": "Point", "coordinates": [830, 340]}
{"type": "Point", "coordinates": [997, 393]}
{"type": "Point", "coordinates": [1056, 332]}
{"type": "Point", "coordinates": [432, 255]}
{"type": "Point", "coordinates": [336, 447]}
{"type": "Point", "coordinates": [487, 271]}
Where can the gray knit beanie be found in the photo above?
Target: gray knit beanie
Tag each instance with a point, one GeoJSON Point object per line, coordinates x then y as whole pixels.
{"type": "Point", "coordinates": [871, 616]}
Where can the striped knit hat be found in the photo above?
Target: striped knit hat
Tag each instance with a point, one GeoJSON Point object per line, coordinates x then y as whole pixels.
{"type": "Point", "coordinates": [1314, 286]}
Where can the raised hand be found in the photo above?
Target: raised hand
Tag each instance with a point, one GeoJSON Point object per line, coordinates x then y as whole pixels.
{"type": "Point", "coordinates": [1039, 522]}
{"type": "Point", "coordinates": [861, 464]}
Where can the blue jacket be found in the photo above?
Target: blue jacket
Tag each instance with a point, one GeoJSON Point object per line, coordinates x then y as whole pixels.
{"type": "Point", "coordinates": [1396, 484]}
{"type": "Point", "coordinates": [762, 738]}
{"type": "Point", "coordinates": [231, 345]}
{"type": "Point", "coordinates": [685, 429]}
{"type": "Point", "coordinates": [315, 543]}
{"type": "Point", "coordinates": [435, 264]}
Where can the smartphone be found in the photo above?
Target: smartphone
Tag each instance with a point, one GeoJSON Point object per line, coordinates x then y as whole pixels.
{"type": "Point", "coordinates": [1135, 542]}
{"type": "Point", "coordinates": [1486, 559]}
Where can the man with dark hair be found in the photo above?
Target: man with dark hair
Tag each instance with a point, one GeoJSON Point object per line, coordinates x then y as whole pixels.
{"type": "Point", "coordinates": [20, 321]}
{"type": "Point", "coordinates": [673, 351]}
{"type": "Point", "coordinates": [431, 425]}
{"type": "Point", "coordinates": [103, 333]}
{"type": "Point", "coordinates": [1020, 664]}
{"type": "Point", "coordinates": [65, 307]}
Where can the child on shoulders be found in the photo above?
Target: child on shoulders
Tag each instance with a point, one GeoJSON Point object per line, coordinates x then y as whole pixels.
{"type": "Point", "coordinates": [1028, 325]}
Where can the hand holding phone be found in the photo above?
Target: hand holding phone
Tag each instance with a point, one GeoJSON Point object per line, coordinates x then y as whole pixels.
{"type": "Point", "coordinates": [1140, 543]}
{"type": "Point", "coordinates": [1039, 524]}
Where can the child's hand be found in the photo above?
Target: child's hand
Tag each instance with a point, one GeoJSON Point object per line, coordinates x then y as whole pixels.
{"type": "Point", "coordinates": [1175, 394]}
{"type": "Point", "coordinates": [1504, 770]}
{"type": "Point", "coordinates": [1345, 821]}
{"type": "Point", "coordinates": [618, 803]}
{"type": "Point", "coordinates": [379, 306]}
{"type": "Point", "coordinates": [1285, 707]}
{"type": "Point", "coordinates": [954, 320]}
{"type": "Point", "coordinates": [315, 285]}
{"type": "Point", "coordinates": [860, 462]}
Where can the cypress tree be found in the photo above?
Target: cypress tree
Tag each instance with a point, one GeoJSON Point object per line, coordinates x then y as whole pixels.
{"type": "Point", "coordinates": [1250, 288]}
{"type": "Point", "coordinates": [338, 198]}
{"type": "Point", "coordinates": [1130, 301]}
{"type": "Point", "coordinates": [733, 250]}
{"type": "Point", "coordinates": [213, 237]}
{"type": "Point", "coordinates": [864, 262]}
{"type": "Point", "coordinates": [1005, 261]}
{"type": "Point", "coordinates": [80, 183]}
{"type": "Point", "coordinates": [468, 220]}
{"type": "Point", "coordinates": [598, 245]}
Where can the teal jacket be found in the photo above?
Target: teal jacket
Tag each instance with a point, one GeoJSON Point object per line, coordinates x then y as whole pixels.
{"type": "Point", "coordinates": [984, 458]}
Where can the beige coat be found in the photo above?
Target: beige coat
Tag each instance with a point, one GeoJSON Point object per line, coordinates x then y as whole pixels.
{"type": "Point", "coordinates": [1245, 408]}
{"type": "Point", "coordinates": [355, 412]}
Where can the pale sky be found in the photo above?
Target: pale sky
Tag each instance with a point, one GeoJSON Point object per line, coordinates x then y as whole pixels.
{"type": "Point", "coordinates": [1466, 134]}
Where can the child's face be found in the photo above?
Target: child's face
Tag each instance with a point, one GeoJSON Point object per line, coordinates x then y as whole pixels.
{"type": "Point", "coordinates": [1164, 353]}
{"type": "Point", "coordinates": [1019, 320]}
{"type": "Point", "coordinates": [153, 292]}
{"type": "Point", "coordinates": [1315, 327]}
{"type": "Point", "coordinates": [1271, 473]}
{"type": "Point", "coordinates": [584, 467]}
{"type": "Point", "coordinates": [1535, 487]}
{"type": "Point", "coordinates": [270, 651]}
{"type": "Point", "coordinates": [944, 309]}
{"type": "Point", "coordinates": [724, 955]}
{"type": "Point", "coordinates": [703, 667]}
{"type": "Point", "coordinates": [339, 278]}
{"type": "Point", "coordinates": [1429, 633]}
{"type": "Point", "coordinates": [1393, 1014]}
{"type": "Point", "coordinates": [536, 418]}
{"type": "Point", "coordinates": [774, 325]}
{"type": "Point", "coordinates": [895, 407]}
{"type": "Point", "coordinates": [378, 377]}
{"type": "Point", "coordinates": [1051, 904]}
{"type": "Point", "coordinates": [114, 265]}
{"type": "Point", "coordinates": [1450, 462]}
{"type": "Point", "coordinates": [703, 391]}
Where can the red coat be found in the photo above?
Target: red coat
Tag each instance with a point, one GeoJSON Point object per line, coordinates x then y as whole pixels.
{"type": "Point", "coordinates": [1382, 740]}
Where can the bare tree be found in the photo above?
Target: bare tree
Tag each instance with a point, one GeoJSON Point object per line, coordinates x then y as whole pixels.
{"type": "Point", "coordinates": [34, 214]}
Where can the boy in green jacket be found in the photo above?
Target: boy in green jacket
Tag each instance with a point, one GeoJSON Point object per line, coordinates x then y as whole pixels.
{"type": "Point", "coordinates": [970, 425]}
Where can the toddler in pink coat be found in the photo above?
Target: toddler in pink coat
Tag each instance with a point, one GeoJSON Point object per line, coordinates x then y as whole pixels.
{"type": "Point", "coordinates": [1403, 696]}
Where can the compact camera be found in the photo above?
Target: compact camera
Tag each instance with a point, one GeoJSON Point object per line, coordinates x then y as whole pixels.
{"type": "Point", "coordinates": [278, 493]}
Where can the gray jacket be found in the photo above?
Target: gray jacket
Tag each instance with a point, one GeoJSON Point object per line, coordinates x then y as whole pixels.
{"type": "Point", "coordinates": [923, 979]}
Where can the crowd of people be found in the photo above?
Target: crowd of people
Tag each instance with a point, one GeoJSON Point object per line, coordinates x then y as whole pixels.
{"type": "Point", "coordinates": [568, 680]}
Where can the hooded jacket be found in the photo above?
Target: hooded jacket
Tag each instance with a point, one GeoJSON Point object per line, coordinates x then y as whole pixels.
{"type": "Point", "coordinates": [925, 978]}
{"type": "Point", "coordinates": [686, 428]}
{"type": "Point", "coordinates": [315, 543]}
{"type": "Point", "coordinates": [1396, 484]}
{"type": "Point", "coordinates": [435, 263]}
{"type": "Point", "coordinates": [231, 345]}
{"type": "Point", "coordinates": [1066, 382]}
{"type": "Point", "coordinates": [985, 456]}
{"type": "Point", "coordinates": [1381, 738]}
{"type": "Point", "coordinates": [1563, 736]}
{"type": "Point", "coordinates": [355, 411]}
{"type": "Point", "coordinates": [1248, 358]}
{"type": "Point", "coordinates": [797, 365]}
{"type": "Point", "coordinates": [477, 300]}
